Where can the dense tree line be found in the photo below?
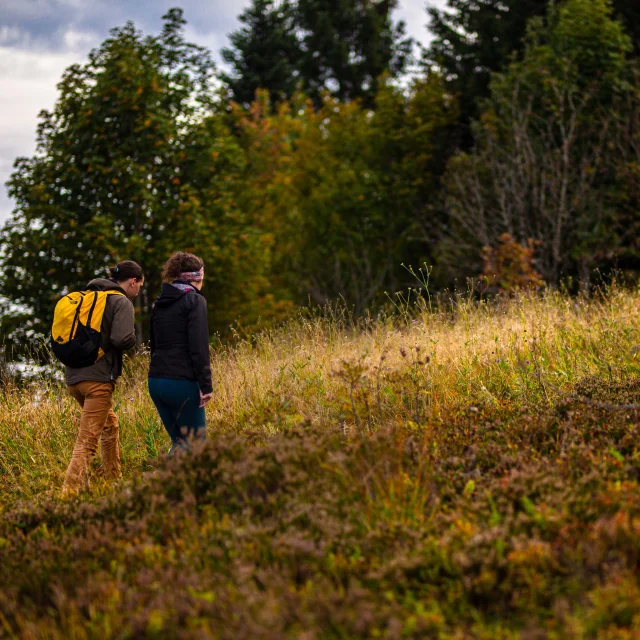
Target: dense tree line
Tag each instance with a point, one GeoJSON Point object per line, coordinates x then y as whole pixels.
{"type": "Point", "coordinates": [318, 170]}
{"type": "Point", "coordinates": [475, 39]}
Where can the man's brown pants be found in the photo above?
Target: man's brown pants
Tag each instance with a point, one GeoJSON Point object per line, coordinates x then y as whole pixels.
{"type": "Point", "coordinates": [98, 424]}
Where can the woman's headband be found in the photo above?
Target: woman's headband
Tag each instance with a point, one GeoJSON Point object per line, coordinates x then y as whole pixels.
{"type": "Point", "coordinates": [193, 276]}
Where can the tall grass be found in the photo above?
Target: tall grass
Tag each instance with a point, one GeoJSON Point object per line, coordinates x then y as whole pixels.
{"type": "Point", "coordinates": [523, 350]}
{"type": "Point", "coordinates": [415, 366]}
{"type": "Point", "coordinates": [458, 471]}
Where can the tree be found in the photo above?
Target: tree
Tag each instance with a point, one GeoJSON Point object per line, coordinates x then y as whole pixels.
{"type": "Point", "coordinates": [472, 39]}
{"type": "Point", "coordinates": [625, 195]}
{"type": "Point", "coordinates": [509, 267]}
{"type": "Point", "coordinates": [133, 162]}
{"type": "Point", "coordinates": [629, 12]}
{"type": "Point", "coordinates": [265, 53]}
{"type": "Point", "coordinates": [475, 38]}
{"type": "Point", "coordinates": [545, 165]}
{"type": "Point", "coordinates": [339, 46]}
{"type": "Point", "coordinates": [348, 44]}
{"type": "Point", "coordinates": [343, 191]}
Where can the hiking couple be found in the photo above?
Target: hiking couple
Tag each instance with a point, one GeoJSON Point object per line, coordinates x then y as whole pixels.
{"type": "Point", "coordinates": [179, 374]}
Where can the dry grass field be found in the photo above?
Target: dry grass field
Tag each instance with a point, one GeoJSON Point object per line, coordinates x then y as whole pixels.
{"type": "Point", "coordinates": [465, 471]}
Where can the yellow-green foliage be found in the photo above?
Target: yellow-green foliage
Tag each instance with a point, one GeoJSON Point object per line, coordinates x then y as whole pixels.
{"type": "Point", "coordinates": [470, 472]}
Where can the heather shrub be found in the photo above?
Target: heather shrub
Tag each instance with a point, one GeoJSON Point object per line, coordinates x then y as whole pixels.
{"type": "Point", "coordinates": [395, 534]}
{"type": "Point", "coordinates": [445, 475]}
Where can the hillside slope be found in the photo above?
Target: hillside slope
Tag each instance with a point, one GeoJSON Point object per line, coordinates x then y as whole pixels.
{"type": "Point", "coordinates": [468, 473]}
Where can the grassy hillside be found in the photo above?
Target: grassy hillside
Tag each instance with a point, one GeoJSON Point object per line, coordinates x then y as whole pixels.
{"type": "Point", "coordinates": [470, 472]}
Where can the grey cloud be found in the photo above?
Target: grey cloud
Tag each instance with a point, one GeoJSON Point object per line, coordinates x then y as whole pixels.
{"type": "Point", "coordinates": [44, 24]}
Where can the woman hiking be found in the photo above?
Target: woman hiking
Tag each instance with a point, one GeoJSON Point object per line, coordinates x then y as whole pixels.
{"type": "Point", "coordinates": [180, 371]}
{"type": "Point", "coordinates": [92, 386]}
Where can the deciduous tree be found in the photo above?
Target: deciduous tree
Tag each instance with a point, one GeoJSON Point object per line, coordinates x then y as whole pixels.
{"type": "Point", "coordinates": [133, 162]}
{"type": "Point", "coordinates": [544, 165]}
{"type": "Point", "coordinates": [475, 38]}
{"type": "Point", "coordinates": [344, 191]}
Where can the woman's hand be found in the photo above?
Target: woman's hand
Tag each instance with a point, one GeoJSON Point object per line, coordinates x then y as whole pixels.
{"type": "Point", "coordinates": [205, 398]}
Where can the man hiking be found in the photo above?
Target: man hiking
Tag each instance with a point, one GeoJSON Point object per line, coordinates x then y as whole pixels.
{"type": "Point", "coordinates": [92, 386]}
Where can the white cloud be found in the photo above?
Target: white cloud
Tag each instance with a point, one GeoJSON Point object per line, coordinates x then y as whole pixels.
{"type": "Point", "coordinates": [212, 41]}
{"type": "Point", "coordinates": [414, 14]}
{"type": "Point", "coordinates": [80, 40]}
{"type": "Point", "coordinates": [28, 82]}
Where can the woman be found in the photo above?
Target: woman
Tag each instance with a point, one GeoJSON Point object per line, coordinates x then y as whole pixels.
{"type": "Point", "coordinates": [180, 372]}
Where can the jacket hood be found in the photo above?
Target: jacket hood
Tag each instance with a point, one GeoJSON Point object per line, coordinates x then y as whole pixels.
{"type": "Point", "coordinates": [170, 293]}
{"type": "Point", "coordinates": [102, 284]}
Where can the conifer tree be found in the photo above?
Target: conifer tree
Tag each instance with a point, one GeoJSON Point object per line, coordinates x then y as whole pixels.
{"type": "Point", "coordinates": [265, 52]}
{"type": "Point", "coordinates": [348, 44]}
{"type": "Point", "coordinates": [339, 46]}
{"type": "Point", "coordinates": [474, 38]}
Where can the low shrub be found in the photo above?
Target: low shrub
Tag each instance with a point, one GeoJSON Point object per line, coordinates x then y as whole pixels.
{"type": "Point", "coordinates": [480, 490]}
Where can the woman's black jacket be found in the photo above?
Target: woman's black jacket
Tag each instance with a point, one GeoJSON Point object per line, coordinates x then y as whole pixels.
{"type": "Point", "coordinates": [180, 336]}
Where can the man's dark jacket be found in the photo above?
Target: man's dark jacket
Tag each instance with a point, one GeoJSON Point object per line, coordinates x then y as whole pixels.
{"type": "Point", "coordinates": [117, 334]}
{"type": "Point", "coordinates": [180, 336]}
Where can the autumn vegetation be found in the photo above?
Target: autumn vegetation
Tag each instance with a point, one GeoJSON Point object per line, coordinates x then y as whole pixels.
{"type": "Point", "coordinates": [304, 175]}
{"type": "Point", "coordinates": [421, 272]}
{"type": "Point", "coordinates": [458, 470]}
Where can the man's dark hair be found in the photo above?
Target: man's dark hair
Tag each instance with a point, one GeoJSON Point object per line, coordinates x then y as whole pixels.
{"type": "Point", "coordinates": [126, 270]}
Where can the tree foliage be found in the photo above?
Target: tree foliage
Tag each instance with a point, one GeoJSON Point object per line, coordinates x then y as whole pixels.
{"type": "Point", "coordinates": [265, 52]}
{"type": "Point", "coordinates": [348, 44]}
{"type": "Point", "coordinates": [336, 185]}
{"type": "Point", "coordinates": [509, 267]}
{"type": "Point", "coordinates": [345, 191]}
{"type": "Point", "coordinates": [473, 39]}
{"type": "Point", "coordinates": [340, 46]}
{"type": "Point", "coordinates": [549, 145]}
{"type": "Point", "coordinates": [132, 163]}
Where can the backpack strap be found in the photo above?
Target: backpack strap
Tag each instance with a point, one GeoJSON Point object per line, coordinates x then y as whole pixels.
{"type": "Point", "coordinates": [76, 316]}
{"type": "Point", "coordinates": [93, 316]}
{"type": "Point", "coordinates": [93, 306]}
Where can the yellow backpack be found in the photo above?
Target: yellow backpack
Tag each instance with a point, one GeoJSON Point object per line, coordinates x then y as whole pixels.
{"type": "Point", "coordinates": [75, 334]}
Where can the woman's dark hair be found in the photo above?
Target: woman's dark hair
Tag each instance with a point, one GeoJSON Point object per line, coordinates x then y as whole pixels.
{"type": "Point", "coordinates": [126, 270]}
{"type": "Point", "coordinates": [180, 262]}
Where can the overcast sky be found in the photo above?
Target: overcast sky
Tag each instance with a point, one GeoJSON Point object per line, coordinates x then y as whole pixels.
{"type": "Point", "coordinates": [39, 39]}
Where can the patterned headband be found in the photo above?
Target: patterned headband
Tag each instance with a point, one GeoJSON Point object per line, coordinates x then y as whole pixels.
{"type": "Point", "coordinates": [193, 276]}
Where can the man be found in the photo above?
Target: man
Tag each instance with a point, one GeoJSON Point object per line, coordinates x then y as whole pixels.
{"type": "Point", "coordinates": [93, 386]}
